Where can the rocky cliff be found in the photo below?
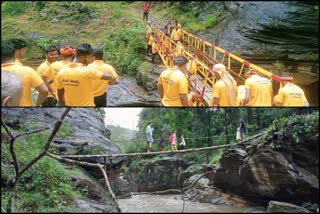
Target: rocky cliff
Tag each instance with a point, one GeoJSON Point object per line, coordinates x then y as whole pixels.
{"type": "Point", "coordinates": [284, 167]}
{"type": "Point", "coordinates": [88, 135]}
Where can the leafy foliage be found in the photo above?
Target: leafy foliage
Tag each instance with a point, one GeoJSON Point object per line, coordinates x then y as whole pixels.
{"type": "Point", "coordinates": [13, 8]}
{"type": "Point", "coordinates": [47, 184]}
{"type": "Point", "coordinates": [198, 124]}
{"type": "Point", "coordinates": [124, 47]}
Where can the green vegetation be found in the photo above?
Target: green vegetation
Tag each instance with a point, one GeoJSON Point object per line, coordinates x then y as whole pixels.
{"type": "Point", "coordinates": [197, 124]}
{"type": "Point", "coordinates": [122, 137]}
{"type": "Point", "coordinates": [278, 67]}
{"type": "Point", "coordinates": [47, 186]}
{"type": "Point", "coordinates": [298, 127]}
{"type": "Point", "coordinates": [11, 8]}
{"type": "Point", "coordinates": [125, 48]}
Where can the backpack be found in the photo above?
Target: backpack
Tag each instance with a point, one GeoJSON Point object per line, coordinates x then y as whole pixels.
{"type": "Point", "coordinates": [170, 139]}
{"type": "Point", "coordinates": [179, 140]}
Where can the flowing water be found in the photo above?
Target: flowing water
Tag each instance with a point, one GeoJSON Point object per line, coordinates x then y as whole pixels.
{"type": "Point", "coordinates": [174, 204]}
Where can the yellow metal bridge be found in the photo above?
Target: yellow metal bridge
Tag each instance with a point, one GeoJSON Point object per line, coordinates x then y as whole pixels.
{"type": "Point", "coordinates": [202, 55]}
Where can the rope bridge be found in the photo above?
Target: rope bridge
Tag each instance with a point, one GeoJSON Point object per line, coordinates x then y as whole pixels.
{"type": "Point", "coordinates": [160, 153]}
{"type": "Point", "coordinates": [202, 55]}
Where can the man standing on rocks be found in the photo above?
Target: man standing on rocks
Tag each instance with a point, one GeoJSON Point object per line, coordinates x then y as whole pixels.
{"type": "Point", "coordinates": [149, 131]}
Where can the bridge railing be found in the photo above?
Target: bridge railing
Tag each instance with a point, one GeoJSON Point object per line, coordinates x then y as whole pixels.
{"type": "Point", "coordinates": [202, 55]}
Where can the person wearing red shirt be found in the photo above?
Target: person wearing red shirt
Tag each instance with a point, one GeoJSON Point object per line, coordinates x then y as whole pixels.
{"type": "Point", "coordinates": [146, 9]}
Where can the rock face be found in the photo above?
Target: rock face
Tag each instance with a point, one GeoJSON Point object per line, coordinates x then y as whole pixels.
{"type": "Point", "coordinates": [88, 132]}
{"type": "Point", "coordinates": [277, 206]}
{"type": "Point", "coordinates": [266, 32]}
{"type": "Point", "coordinates": [129, 93]}
{"type": "Point", "coordinates": [277, 169]}
{"type": "Point", "coordinates": [156, 175]}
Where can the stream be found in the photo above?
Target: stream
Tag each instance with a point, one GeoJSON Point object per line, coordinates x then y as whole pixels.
{"type": "Point", "coordinates": [174, 204]}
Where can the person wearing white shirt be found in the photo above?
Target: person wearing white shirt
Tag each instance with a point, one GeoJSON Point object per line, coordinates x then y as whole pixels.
{"type": "Point", "coordinates": [149, 131]}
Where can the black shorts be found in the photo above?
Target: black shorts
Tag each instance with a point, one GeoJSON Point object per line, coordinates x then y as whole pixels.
{"type": "Point", "coordinates": [101, 101]}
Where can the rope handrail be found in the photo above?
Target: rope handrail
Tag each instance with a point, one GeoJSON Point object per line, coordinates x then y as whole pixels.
{"type": "Point", "coordinates": [161, 152]}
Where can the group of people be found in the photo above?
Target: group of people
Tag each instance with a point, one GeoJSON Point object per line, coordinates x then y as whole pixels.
{"type": "Point", "coordinates": [257, 90]}
{"type": "Point", "coordinates": [172, 140]}
{"type": "Point", "coordinates": [79, 78]}
{"type": "Point", "coordinates": [173, 89]}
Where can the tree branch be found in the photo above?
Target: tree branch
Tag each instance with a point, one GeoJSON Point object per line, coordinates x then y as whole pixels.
{"type": "Point", "coordinates": [101, 167]}
{"type": "Point", "coordinates": [31, 132]}
{"type": "Point", "coordinates": [46, 147]}
{"type": "Point", "coordinates": [109, 188]}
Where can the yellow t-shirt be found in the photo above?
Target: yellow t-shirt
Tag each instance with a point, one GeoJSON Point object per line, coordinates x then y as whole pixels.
{"type": "Point", "coordinates": [100, 86]}
{"type": "Point", "coordinates": [16, 61]}
{"type": "Point", "coordinates": [176, 34]}
{"type": "Point", "coordinates": [77, 81]}
{"type": "Point", "coordinates": [52, 72]}
{"type": "Point", "coordinates": [291, 95]}
{"type": "Point", "coordinates": [154, 47]}
{"type": "Point", "coordinates": [151, 40]}
{"type": "Point", "coordinates": [261, 91]}
{"type": "Point", "coordinates": [241, 94]}
{"type": "Point", "coordinates": [220, 92]}
{"type": "Point", "coordinates": [42, 69]}
{"type": "Point", "coordinates": [174, 83]}
{"type": "Point", "coordinates": [179, 50]}
{"type": "Point", "coordinates": [29, 77]}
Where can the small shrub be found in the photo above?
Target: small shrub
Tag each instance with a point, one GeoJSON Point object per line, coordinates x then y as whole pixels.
{"type": "Point", "coordinates": [13, 8]}
{"type": "Point", "coordinates": [278, 67]}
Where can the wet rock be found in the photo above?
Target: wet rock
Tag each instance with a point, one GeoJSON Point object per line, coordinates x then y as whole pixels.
{"type": "Point", "coordinates": [156, 175]}
{"type": "Point", "coordinates": [129, 93]}
{"type": "Point", "coordinates": [277, 206]}
{"type": "Point", "coordinates": [280, 170]}
{"type": "Point", "coordinates": [91, 206]}
{"type": "Point", "coordinates": [120, 186]}
{"type": "Point", "coordinates": [200, 184]}
{"type": "Point", "coordinates": [310, 206]}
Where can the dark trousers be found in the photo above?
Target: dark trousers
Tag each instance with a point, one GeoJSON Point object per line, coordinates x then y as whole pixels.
{"type": "Point", "coordinates": [153, 56]}
{"type": "Point", "coordinates": [49, 102]}
{"type": "Point", "coordinates": [101, 101]}
{"type": "Point", "coordinates": [149, 49]}
{"type": "Point", "coordinates": [145, 16]}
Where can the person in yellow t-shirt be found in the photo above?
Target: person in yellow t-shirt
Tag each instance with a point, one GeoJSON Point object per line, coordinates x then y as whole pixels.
{"type": "Point", "coordinates": [150, 41]}
{"type": "Point", "coordinates": [19, 45]}
{"type": "Point", "coordinates": [177, 24]}
{"type": "Point", "coordinates": [75, 81]}
{"type": "Point", "coordinates": [173, 84]}
{"type": "Point", "coordinates": [29, 77]}
{"type": "Point", "coordinates": [290, 94]}
{"type": "Point", "coordinates": [11, 89]}
{"type": "Point", "coordinates": [52, 53]}
{"type": "Point", "coordinates": [179, 49]}
{"type": "Point", "coordinates": [258, 90]}
{"type": "Point", "coordinates": [100, 86]}
{"type": "Point", "coordinates": [176, 34]}
{"type": "Point", "coordinates": [225, 89]}
{"type": "Point", "coordinates": [154, 49]}
{"type": "Point", "coordinates": [67, 53]}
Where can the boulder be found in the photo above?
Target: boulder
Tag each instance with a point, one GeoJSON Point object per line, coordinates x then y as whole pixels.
{"type": "Point", "coordinates": [120, 186]}
{"type": "Point", "coordinates": [277, 206]}
{"type": "Point", "coordinates": [276, 168]}
{"type": "Point", "coordinates": [156, 175]}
